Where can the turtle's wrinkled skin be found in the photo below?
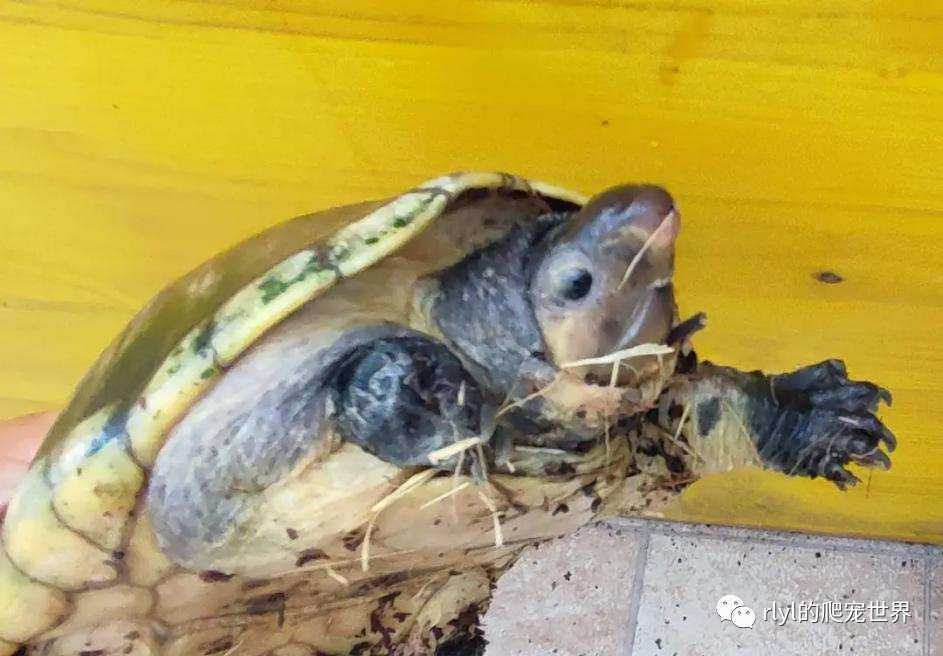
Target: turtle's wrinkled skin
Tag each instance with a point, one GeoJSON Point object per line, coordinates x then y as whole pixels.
{"type": "Point", "coordinates": [335, 437]}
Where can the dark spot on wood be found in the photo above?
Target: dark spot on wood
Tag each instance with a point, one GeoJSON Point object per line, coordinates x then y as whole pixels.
{"type": "Point", "coordinates": [594, 506]}
{"type": "Point", "coordinates": [828, 277]}
{"type": "Point", "coordinates": [589, 489]}
{"type": "Point", "coordinates": [708, 414]}
{"type": "Point", "coordinates": [437, 633]}
{"type": "Point", "coordinates": [117, 554]}
{"type": "Point", "coordinates": [567, 576]}
{"type": "Point", "coordinates": [604, 123]}
{"type": "Point", "coordinates": [675, 410]}
{"type": "Point", "coordinates": [133, 635]}
{"type": "Point", "coordinates": [401, 617]}
{"type": "Point", "coordinates": [92, 652]}
{"type": "Point", "coordinates": [309, 555]}
{"type": "Point", "coordinates": [255, 584]}
{"type": "Point", "coordinates": [292, 533]}
{"type": "Point", "coordinates": [437, 522]}
{"type": "Point", "coordinates": [212, 576]}
{"type": "Point", "coordinates": [591, 379]}
{"type": "Point", "coordinates": [580, 414]}
{"type": "Point", "coordinates": [562, 508]}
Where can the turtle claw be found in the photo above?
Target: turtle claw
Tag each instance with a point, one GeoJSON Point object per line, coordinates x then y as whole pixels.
{"type": "Point", "coordinates": [824, 422]}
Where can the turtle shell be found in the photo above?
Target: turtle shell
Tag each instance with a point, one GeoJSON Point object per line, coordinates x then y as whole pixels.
{"type": "Point", "coordinates": [75, 548]}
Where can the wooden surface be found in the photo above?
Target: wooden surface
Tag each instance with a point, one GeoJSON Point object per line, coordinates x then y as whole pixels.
{"type": "Point", "coordinates": [137, 138]}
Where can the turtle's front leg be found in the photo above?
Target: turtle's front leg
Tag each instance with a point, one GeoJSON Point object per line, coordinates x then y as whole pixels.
{"type": "Point", "coordinates": [811, 422]}
{"type": "Point", "coordinates": [401, 398]}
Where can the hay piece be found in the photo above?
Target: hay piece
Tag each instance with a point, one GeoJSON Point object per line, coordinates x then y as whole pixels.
{"type": "Point", "coordinates": [510, 406]}
{"type": "Point", "coordinates": [540, 449]}
{"type": "Point", "coordinates": [445, 495]}
{"type": "Point", "coordinates": [495, 518]}
{"type": "Point", "coordinates": [446, 452]}
{"type": "Point", "coordinates": [481, 462]}
{"type": "Point", "coordinates": [648, 243]}
{"type": "Point", "coordinates": [365, 548]}
{"type": "Point", "coordinates": [337, 577]}
{"type": "Point", "coordinates": [411, 484]}
{"type": "Point", "coordinates": [624, 354]}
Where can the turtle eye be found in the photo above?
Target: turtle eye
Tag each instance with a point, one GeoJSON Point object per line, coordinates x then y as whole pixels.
{"type": "Point", "coordinates": [574, 284]}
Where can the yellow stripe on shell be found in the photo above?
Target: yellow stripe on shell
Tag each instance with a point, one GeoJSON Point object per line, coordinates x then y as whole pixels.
{"type": "Point", "coordinates": [190, 370]}
{"type": "Point", "coordinates": [257, 307]}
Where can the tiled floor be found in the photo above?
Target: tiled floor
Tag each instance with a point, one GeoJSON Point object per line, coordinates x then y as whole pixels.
{"type": "Point", "coordinates": [654, 589]}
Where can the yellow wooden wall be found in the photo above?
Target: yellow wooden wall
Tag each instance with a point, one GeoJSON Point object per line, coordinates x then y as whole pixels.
{"type": "Point", "coordinates": [137, 138]}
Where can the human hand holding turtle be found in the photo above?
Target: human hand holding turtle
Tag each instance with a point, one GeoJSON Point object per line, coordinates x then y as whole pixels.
{"type": "Point", "coordinates": [20, 438]}
{"type": "Point", "coordinates": [334, 438]}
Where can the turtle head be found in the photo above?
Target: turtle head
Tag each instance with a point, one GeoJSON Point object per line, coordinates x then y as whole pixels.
{"type": "Point", "coordinates": [603, 280]}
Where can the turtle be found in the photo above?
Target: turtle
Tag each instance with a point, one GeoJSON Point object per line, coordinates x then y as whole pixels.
{"type": "Point", "coordinates": [334, 437]}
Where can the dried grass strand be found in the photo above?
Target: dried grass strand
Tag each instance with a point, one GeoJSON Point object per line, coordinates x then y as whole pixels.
{"type": "Point", "coordinates": [445, 495]}
{"type": "Point", "coordinates": [521, 401]}
{"type": "Point", "coordinates": [617, 356]}
{"type": "Point", "coordinates": [365, 548]}
{"type": "Point", "coordinates": [495, 518]}
{"type": "Point", "coordinates": [337, 577]}
{"type": "Point", "coordinates": [408, 486]}
{"type": "Point", "coordinates": [648, 244]}
{"type": "Point", "coordinates": [412, 482]}
{"type": "Point", "coordinates": [446, 452]}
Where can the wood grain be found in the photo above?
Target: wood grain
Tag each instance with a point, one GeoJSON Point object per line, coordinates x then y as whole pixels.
{"type": "Point", "coordinates": [137, 138]}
